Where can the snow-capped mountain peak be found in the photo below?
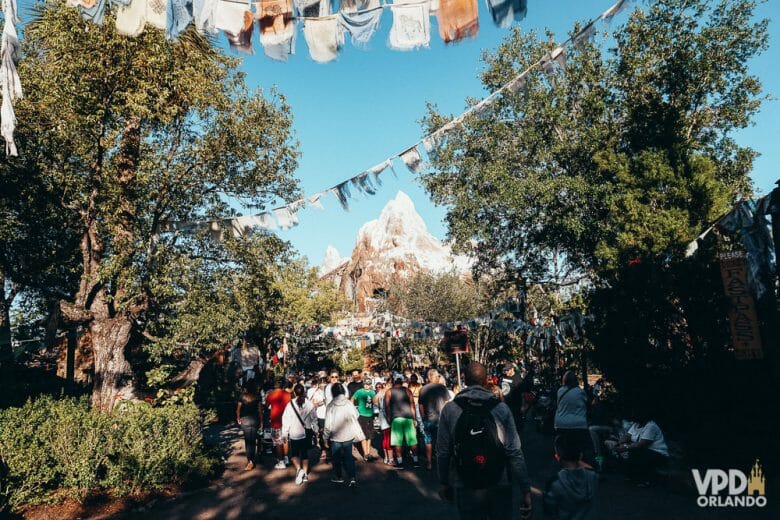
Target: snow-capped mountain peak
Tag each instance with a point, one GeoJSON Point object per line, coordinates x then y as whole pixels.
{"type": "Point", "coordinates": [332, 260]}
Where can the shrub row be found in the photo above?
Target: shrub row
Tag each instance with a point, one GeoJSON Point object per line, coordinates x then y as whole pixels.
{"type": "Point", "coordinates": [54, 448]}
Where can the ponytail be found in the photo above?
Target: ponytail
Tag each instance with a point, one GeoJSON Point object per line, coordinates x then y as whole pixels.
{"type": "Point", "coordinates": [300, 394]}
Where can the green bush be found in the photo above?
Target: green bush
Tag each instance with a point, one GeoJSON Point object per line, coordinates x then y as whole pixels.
{"type": "Point", "coordinates": [51, 448]}
{"type": "Point", "coordinates": [156, 446]}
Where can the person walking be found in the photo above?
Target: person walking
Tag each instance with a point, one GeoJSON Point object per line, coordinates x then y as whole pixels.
{"type": "Point", "coordinates": [364, 400]}
{"type": "Point", "coordinates": [340, 432]}
{"type": "Point", "coordinates": [299, 422]}
{"type": "Point", "coordinates": [480, 461]}
{"type": "Point", "coordinates": [384, 424]}
{"type": "Point", "coordinates": [399, 407]}
{"type": "Point", "coordinates": [249, 415]}
{"type": "Point", "coordinates": [316, 395]}
{"type": "Point", "coordinates": [433, 397]}
{"type": "Point", "coordinates": [355, 385]}
{"type": "Point", "coordinates": [571, 416]}
{"type": "Point", "coordinates": [277, 402]}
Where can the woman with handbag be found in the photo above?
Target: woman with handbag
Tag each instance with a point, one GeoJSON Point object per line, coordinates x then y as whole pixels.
{"type": "Point", "coordinates": [341, 431]}
{"type": "Point", "coordinates": [299, 422]}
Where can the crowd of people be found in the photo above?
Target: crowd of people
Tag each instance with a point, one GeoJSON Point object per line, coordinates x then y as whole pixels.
{"type": "Point", "coordinates": [471, 437]}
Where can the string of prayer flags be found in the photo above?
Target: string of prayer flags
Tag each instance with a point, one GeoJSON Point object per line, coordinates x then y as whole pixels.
{"type": "Point", "coordinates": [286, 216]}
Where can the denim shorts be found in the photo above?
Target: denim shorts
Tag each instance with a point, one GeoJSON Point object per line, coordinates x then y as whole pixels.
{"type": "Point", "coordinates": [430, 430]}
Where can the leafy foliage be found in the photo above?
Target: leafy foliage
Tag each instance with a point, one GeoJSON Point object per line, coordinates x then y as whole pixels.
{"type": "Point", "coordinates": [53, 448]}
{"type": "Point", "coordinates": [127, 135]}
{"type": "Point", "coordinates": [617, 156]}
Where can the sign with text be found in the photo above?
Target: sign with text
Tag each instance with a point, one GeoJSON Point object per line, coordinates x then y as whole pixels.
{"type": "Point", "coordinates": [742, 316]}
{"type": "Point", "coordinates": [456, 342]}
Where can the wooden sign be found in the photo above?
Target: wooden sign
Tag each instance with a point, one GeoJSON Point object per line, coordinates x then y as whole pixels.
{"type": "Point", "coordinates": [742, 315]}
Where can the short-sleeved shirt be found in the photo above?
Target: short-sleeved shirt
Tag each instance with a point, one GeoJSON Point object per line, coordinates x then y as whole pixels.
{"type": "Point", "coordinates": [277, 401]}
{"type": "Point", "coordinates": [653, 433]}
{"type": "Point", "coordinates": [433, 397]}
{"type": "Point", "coordinates": [365, 402]}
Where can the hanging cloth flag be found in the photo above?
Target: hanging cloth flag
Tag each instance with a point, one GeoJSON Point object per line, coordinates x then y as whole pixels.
{"type": "Point", "coordinates": [94, 10]}
{"type": "Point", "coordinates": [356, 6]}
{"type": "Point", "coordinates": [587, 33]}
{"type": "Point", "coordinates": [412, 159]}
{"type": "Point", "coordinates": [229, 16]}
{"type": "Point", "coordinates": [314, 201]}
{"type": "Point", "coordinates": [615, 10]}
{"type": "Point", "coordinates": [554, 61]}
{"type": "Point", "coordinates": [9, 77]}
{"type": "Point", "coordinates": [504, 12]}
{"type": "Point", "coordinates": [313, 8]}
{"type": "Point", "coordinates": [204, 14]}
{"type": "Point", "coordinates": [341, 192]}
{"type": "Point", "coordinates": [156, 13]}
{"type": "Point", "coordinates": [179, 17]}
{"type": "Point", "coordinates": [131, 18]}
{"type": "Point", "coordinates": [243, 40]}
{"type": "Point", "coordinates": [324, 36]}
{"type": "Point", "coordinates": [458, 19]}
{"type": "Point", "coordinates": [277, 28]}
{"type": "Point", "coordinates": [242, 225]}
{"type": "Point", "coordinates": [411, 26]}
{"type": "Point", "coordinates": [377, 170]}
{"type": "Point", "coordinates": [287, 219]}
{"type": "Point", "coordinates": [361, 24]}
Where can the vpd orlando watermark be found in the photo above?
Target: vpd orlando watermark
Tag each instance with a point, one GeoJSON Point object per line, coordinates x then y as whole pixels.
{"type": "Point", "coordinates": [732, 488]}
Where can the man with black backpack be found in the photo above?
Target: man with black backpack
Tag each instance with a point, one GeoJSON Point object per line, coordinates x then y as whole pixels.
{"type": "Point", "coordinates": [479, 455]}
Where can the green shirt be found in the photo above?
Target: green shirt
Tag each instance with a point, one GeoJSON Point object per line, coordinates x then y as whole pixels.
{"type": "Point", "coordinates": [365, 402]}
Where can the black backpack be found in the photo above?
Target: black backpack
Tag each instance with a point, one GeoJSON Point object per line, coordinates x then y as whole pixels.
{"type": "Point", "coordinates": [479, 455]}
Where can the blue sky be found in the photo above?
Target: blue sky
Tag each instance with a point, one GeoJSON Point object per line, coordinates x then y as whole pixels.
{"type": "Point", "coordinates": [355, 112]}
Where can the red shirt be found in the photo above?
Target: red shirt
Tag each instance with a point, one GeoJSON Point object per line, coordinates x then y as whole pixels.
{"type": "Point", "coordinates": [277, 401]}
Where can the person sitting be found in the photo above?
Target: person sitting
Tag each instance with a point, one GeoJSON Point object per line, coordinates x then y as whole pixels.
{"type": "Point", "coordinates": [647, 450]}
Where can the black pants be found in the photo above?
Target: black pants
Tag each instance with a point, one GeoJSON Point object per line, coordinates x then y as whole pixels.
{"type": "Point", "coordinates": [583, 441]}
{"type": "Point", "coordinates": [249, 426]}
{"type": "Point", "coordinates": [643, 464]}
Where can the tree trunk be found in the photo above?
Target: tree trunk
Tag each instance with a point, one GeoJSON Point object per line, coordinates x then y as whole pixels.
{"type": "Point", "coordinates": [6, 351]}
{"type": "Point", "coordinates": [113, 374]}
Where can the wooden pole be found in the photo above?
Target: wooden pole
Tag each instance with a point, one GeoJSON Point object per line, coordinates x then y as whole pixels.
{"type": "Point", "coordinates": [457, 364]}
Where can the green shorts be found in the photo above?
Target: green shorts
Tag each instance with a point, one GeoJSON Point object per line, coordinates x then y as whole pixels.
{"type": "Point", "coordinates": [403, 429]}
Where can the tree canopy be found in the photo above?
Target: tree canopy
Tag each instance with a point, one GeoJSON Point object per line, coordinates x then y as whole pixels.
{"type": "Point", "coordinates": [621, 154]}
{"type": "Point", "coordinates": [134, 133]}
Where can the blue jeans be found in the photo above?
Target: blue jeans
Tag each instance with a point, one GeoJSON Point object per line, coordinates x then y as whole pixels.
{"type": "Point", "coordinates": [342, 458]}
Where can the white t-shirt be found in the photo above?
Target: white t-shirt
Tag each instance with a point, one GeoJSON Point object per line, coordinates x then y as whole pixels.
{"type": "Point", "coordinates": [651, 432]}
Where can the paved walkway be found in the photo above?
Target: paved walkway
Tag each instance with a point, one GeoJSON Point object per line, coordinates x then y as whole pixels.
{"type": "Point", "coordinates": [384, 493]}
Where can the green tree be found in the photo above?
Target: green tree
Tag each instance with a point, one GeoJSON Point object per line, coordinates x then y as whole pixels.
{"type": "Point", "coordinates": [136, 132]}
{"type": "Point", "coordinates": [619, 155]}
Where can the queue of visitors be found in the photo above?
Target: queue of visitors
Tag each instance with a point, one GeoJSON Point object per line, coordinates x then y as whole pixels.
{"type": "Point", "coordinates": [471, 437]}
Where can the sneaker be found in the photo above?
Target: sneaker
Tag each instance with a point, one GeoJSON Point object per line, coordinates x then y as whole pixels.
{"type": "Point", "coordinates": [416, 462]}
{"type": "Point", "coordinates": [299, 477]}
{"type": "Point", "coordinates": [337, 480]}
{"type": "Point", "coordinates": [352, 483]}
{"type": "Point", "coordinates": [305, 477]}
{"type": "Point", "coordinates": [280, 465]}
